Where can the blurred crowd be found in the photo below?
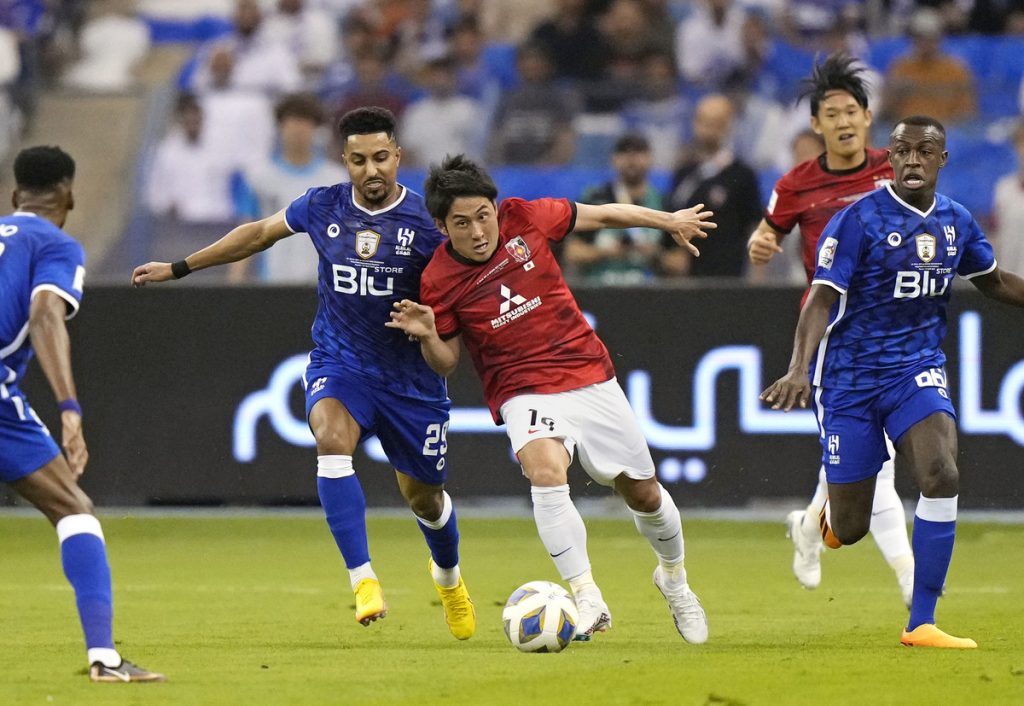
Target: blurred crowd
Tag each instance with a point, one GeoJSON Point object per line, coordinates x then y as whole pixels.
{"type": "Point", "coordinates": [680, 101]}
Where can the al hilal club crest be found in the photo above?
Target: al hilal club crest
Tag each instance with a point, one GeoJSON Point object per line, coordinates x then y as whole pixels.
{"type": "Point", "coordinates": [925, 247]}
{"type": "Point", "coordinates": [518, 249]}
{"type": "Point", "coordinates": [367, 242]}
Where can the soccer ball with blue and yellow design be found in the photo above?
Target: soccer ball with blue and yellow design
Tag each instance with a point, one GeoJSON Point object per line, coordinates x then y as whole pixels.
{"type": "Point", "coordinates": [540, 616]}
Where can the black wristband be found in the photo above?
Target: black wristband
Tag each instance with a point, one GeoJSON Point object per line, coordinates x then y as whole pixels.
{"type": "Point", "coordinates": [179, 269]}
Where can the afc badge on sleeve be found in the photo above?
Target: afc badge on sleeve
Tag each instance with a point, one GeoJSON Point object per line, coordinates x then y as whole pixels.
{"type": "Point", "coordinates": [827, 254]}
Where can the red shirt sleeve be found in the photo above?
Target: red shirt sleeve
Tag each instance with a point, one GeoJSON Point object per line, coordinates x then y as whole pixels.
{"type": "Point", "coordinates": [784, 207]}
{"type": "Point", "coordinates": [445, 321]}
{"type": "Point", "coordinates": [552, 218]}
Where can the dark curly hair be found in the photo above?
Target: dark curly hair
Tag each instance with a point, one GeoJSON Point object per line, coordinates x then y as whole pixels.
{"type": "Point", "coordinates": [367, 121]}
{"type": "Point", "coordinates": [456, 176]}
{"type": "Point", "coordinates": [42, 168]}
{"type": "Point", "coordinates": [838, 72]}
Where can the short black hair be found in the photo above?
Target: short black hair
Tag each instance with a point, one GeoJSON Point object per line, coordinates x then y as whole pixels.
{"type": "Point", "coordinates": [299, 105]}
{"type": "Point", "coordinates": [367, 121]}
{"type": "Point", "coordinates": [185, 102]}
{"type": "Point", "coordinates": [456, 176]}
{"type": "Point", "coordinates": [921, 121]}
{"type": "Point", "coordinates": [42, 168]}
{"type": "Point", "coordinates": [838, 72]}
{"type": "Point", "coordinates": [631, 142]}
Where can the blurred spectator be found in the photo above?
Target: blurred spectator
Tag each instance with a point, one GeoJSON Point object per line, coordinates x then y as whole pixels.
{"type": "Point", "coordinates": [571, 40]}
{"type": "Point", "coordinates": [356, 38]}
{"type": "Point", "coordinates": [238, 122]}
{"type": "Point", "coordinates": [615, 256]}
{"type": "Point", "coordinates": [927, 81]}
{"type": "Point", "coordinates": [276, 180]}
{"type": "Point", "coordinates": [443, 122]}
{"type": "Point", "coordinates": [709, 46]}
{"type": "Point", "coordinates": [472, 74]}
{"type": "Point", "coordinates": [661, 113]}
{"type": "Point", "coordinates": [997, 17]}
{"type": "Point", "coordinates": [374, 82]}
{"type": "Point", "coordinates": [306, 31]}
{"type": "Point", "coordinates": [533, 122]}
{"type": "Point", "coordinates": [715, 177]}
{"type": "Point", "coordinates": [1008, 211]}
{"type": "Point", "coordinates": [805, 146]}
{"type": "Point", "coordinates": [259, 63]}
{"type": "Point", "coordinates": [507, 21]}
{"type": "Point", "coordinates": [112, 46]}
{"type": "Point", "coordinates": [417, 34]}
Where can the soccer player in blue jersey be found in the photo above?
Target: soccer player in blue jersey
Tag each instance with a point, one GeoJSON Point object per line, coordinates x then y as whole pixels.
{"type": "Point", "coordinates": [42, 270]}
{"type": "Point", "coordinates": [374, 237]}
{"type": "Point", "coordinates": [868, 343]}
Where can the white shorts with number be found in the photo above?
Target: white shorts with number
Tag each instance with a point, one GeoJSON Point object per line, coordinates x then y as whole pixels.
{"type": "Point", "coordinates": [596, 421]}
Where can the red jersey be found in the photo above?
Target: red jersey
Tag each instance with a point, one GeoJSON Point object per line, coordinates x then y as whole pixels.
{"type": "Point", "coordinates": [518, 319]}
{"type": "Point", "coordinates": [809, 195]}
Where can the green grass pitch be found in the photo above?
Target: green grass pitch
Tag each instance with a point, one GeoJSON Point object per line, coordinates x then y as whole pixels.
{"type": "Point", "coordinates": [258, 611]}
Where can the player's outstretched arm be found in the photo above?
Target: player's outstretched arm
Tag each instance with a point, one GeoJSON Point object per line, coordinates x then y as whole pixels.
{"type": "Point", "coordinates": [683, 225]}
{"type": "Point", "coordinates": [242, 242]}
{"type": "Point", "coordinates": [417, 320]}
{"type": "Point", "coordinates": [1001, 285]}
{"type": "Point", "coordinates": [52, 346]}
{"type": "Point", "coordinates": [794, 387]}
{"type": "Point", "coordinates": [764, 243]}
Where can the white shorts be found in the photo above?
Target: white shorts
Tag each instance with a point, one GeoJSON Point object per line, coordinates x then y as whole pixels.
{"type": "Point", "coordinates": [595, 420]}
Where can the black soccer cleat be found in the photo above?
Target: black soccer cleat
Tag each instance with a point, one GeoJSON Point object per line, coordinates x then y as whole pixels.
{"type": "Point", "coordinates": [124, 672]}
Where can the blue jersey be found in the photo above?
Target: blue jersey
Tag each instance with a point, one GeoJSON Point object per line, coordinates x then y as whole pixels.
{"type": "Point", "coordinates": [368, 261]}
{"type": "Point", "coordinates": [893, 267]}
{"type": "Point", "coordinates": [35, 255]}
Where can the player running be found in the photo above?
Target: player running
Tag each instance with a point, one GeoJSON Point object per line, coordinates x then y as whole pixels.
{"type": "Point", "coordinates": [873, 324]}
{"type": "Point", "coordinates": [808, 196]}
{"type": "Point", "coordinates": [42, 270]}
{"type": "Point", "coordinates": [374, 238]}
{"type": "Point", "coordinates": [495, 286]}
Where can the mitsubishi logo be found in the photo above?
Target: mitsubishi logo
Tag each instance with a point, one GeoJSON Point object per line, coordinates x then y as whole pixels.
{"type": "Point", "coordinates": [510, 299]}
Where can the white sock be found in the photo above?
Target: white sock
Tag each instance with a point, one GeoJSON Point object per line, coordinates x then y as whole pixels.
{"type": "Point", "coordinates": [359, 573]}
{"type": "Point", "coordinates": [584, 583]}
{"type": "Point", "coordinates": [107, 656]}
{"type": "Point", "coordinates": [664, 532]}
{"type": "Point", "coordinates": [810, 526]}
{"type": "Point", "coordinates": [889, 522]}
{"type": "Point", "coordinates": [445, 578]}
{"type": "Point", "coordinates": [561, 529]}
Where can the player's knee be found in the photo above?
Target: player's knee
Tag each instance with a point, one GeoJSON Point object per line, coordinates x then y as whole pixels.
{"type": "Point", "coordinates": [330, 440]}
{"type": "Point", "coordinates": [427, 506]}
{"type": "Point", "coordinates": [73, 502]}
{"type": "Point", "coordinates": [640, 495]}
{"type": "Point", "coordinates": [939, 478]}
{"type": "Point", "coordinates": [850, 528]}
{"type": "Point", "coordinates": [546, 475]}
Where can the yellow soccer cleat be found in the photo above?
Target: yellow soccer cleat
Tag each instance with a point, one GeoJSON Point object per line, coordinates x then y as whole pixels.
{"type": "Point", "coordinates": [459, 612]}
{"type": "Point", "coordinates": [928, 635]}
{"type": "Point", "coordinates": [370, 603]}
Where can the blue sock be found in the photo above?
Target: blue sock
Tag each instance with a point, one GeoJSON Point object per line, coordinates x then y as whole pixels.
{"type": "Point", "coordinates": [934, 530]}
{"type": "Point", "coordinates": [345, 507]}
{"type": "Point", "coordinates": [442, 535]}
{"type": "Point", "coordinates": [84, 557]}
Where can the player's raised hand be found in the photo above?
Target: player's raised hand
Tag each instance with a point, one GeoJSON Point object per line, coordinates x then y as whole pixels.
{"type": "Point", "coordinates": [151, 272]}
{"type": "Point", "coordinates": [414, 319]}
{"type": "Point", "coordinates": [762, 247]}
{"type": "Point", "coordinates": [689, 223]}
{"type": "Point", "coordinates": [792, 388]}
{"type": "Point", "coordinates": [73, 442]}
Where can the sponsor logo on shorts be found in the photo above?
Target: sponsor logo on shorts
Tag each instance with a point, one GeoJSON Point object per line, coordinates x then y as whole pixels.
{"type": "Point", "coordinates": [317, 386]}
{"type": "Point", "coordinates": [833, 449]}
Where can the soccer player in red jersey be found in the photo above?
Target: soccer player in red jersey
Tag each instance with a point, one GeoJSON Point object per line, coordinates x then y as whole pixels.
{"type": "Point", "coordinates": [808, 196]}
{"type": "Point", "coordinates": [496, 287]}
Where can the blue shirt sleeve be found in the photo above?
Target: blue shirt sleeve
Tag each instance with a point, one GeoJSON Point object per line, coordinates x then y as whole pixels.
{"type": "Point", "coordinates": [296, 216]}
{"type": "Point", "coordinates": [839, 251]}
{"type": "Point", "coordinates": [978, 258]}
{"type": "Point", "coordinates": [59, 267]}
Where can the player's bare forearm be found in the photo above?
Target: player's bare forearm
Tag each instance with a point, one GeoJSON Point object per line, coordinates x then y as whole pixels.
{"type": "Point", "coordinates": [1003, 286]}
{"type": "Point", "coordinates": [794, 387]}
{"type": "Point", "coordinates": [417, 321]}
{"type": "Point", "coordinates": [241, 242]}
{"type": "Point", "coordinates": [683, 225]}
{"type": "Point", "coordinates": [763, 244]}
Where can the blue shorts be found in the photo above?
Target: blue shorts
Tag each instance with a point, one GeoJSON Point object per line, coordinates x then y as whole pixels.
{"type": "Point", "coordinates": [853, 423]}
{"type": "Point", "coordinates": [412, 432]}
{"type": "Point", "coordinates": [25, 443]}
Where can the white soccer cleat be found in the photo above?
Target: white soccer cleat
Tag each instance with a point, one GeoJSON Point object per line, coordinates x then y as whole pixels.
{"type": "Point", "coordinates": [806, 551]}
{"type": "Point", "coordinates": [594, 614]}
{"type": "Point", "coordinates": [687, 612]}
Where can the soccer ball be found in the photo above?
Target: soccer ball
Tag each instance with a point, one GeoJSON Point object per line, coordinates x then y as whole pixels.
{"type": "Point", "coordinates": [540, 616]}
